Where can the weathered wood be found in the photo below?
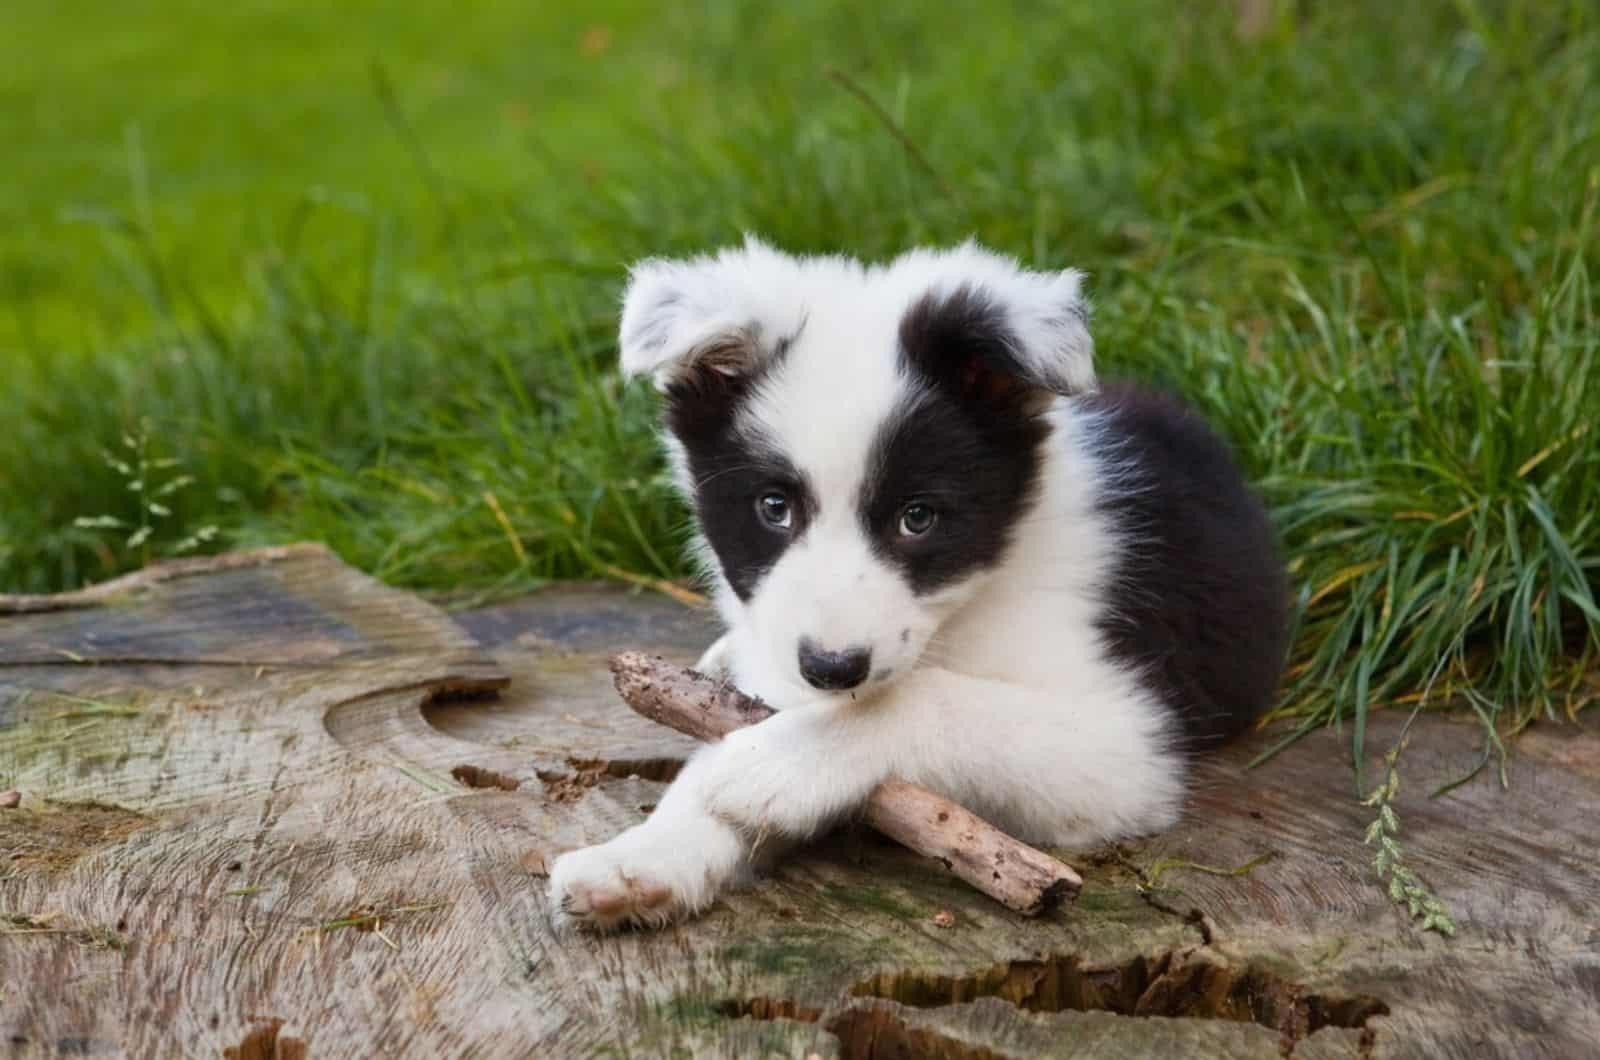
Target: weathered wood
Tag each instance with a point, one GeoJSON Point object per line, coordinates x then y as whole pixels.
{"type": "Point", "coordinates": [240, 834]}
{"type": "Point", "coordinates": [1012, 873]}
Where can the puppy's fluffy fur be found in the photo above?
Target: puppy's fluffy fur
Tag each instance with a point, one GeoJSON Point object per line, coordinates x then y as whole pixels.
{"type": "Point", "coordinates": [943, 553]}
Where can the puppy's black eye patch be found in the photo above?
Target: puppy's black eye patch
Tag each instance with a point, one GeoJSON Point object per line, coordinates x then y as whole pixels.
{"type": "Point", "coordinates": [734, 469]}
{"type": "Point", "coordinates": [752, 503]}
{"type": "Point", "coordinates": [945, 489]}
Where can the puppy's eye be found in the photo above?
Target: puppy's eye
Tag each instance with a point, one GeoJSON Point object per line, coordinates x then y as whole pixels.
{"type": "Point", "coordinates": [917, 519]}
{"type": "Point", "coordinates": [774, 509]}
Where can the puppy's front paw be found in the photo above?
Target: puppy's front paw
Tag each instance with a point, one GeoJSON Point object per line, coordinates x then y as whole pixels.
{"type": "Point", "coordinates": [596, 888]}
{"type": "Point", "coordinates": [646, 877]}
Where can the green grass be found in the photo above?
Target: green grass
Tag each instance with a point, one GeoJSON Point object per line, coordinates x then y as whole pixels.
{"type": "Point", "coordinates": [356, 267]}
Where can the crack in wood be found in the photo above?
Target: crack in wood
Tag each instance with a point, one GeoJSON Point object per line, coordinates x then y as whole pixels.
{"type": "Point", "coordinates": [1150, 894]}
{"type": "Point", "coordinates": [479, 777]}
{"type": "Point", "coordinates": [865, 1032]}
{"type": "Point", "coordinates": [585, 773]}
{"type": "Point", "coordinates": [1194, 917]}
{"type": "Point", "coordinates": [876, 1032]}
{"type": "Point", "coordinates": [1177, 983]}
{"type": "Point", "coordinates": [1172, 984]}
{"type": "Point", "coordinates": [660, 770]}
{"type": "Point", "coordinates": [267, 1042]}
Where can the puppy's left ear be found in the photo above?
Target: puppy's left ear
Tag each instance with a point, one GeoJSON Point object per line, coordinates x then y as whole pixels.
{"type": "Point", "coordinates": [1049, 320]}
{"type": "Point", "coordinates": [994, 332]}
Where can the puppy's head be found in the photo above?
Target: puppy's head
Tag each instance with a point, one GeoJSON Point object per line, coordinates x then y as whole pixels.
{"type": "Point", "coordinates": [859, 442]}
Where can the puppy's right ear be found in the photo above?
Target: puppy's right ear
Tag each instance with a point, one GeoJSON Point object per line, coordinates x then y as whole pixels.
{"type": "Point", "coordinates": [723, 314]}
{"type": "Point", "coordinates": [706, 328]}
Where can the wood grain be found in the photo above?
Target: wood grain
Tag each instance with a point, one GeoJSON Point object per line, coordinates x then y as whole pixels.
{"type": "Point", "coordinates": [240, 834]}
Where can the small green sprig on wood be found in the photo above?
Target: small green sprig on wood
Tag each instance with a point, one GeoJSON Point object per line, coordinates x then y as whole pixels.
{"type": "Point", "coordinates": [1405, 888]}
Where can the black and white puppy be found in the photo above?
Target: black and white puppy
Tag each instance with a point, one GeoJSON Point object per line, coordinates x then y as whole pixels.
{"type": "Point", "coordinates": [943, 553]}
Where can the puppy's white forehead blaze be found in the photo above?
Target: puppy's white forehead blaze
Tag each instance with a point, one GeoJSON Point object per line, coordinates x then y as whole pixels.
{"type": "Point", "coordinates": [823, 404]}
{"type": "Point", "coordinates": [823, 407]}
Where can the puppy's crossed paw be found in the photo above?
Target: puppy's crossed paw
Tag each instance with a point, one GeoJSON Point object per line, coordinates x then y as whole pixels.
{"type": "Point", "coordinates": [648, 876]}
{"type": "Point", "coordinates": [601, 888]}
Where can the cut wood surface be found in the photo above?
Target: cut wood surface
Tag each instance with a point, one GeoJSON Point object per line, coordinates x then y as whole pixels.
{"type": "Point", "coordinates": [1012, 873]}
{"type": "Point", "coordinates": [271, 808]}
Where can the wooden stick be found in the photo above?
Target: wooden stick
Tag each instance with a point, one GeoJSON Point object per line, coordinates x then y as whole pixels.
{"type": "Point", "coordinates": [1011, 872]}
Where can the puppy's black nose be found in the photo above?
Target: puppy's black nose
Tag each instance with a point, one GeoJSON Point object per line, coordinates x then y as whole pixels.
{"type": "Point", "coordinates": [833, 670]}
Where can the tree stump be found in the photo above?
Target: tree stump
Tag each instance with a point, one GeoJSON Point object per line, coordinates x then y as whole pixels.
{"type": "Point", "coordinates": [272, 808]}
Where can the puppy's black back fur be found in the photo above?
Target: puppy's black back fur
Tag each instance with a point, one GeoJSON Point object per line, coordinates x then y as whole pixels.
{"type": "Point", "coordinates": [1199, 602]}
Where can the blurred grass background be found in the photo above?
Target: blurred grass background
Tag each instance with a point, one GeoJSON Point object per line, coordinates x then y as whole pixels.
{"type": "Point", "coordinates": [349, 272]}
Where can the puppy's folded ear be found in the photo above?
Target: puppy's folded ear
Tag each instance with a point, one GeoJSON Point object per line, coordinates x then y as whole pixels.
{"type": "Point", "coordinates": [725, 313]}
{"type": "Point", "coordinates": [994, 330]}
{"type": "Point", "coordinates": [1050, 318]}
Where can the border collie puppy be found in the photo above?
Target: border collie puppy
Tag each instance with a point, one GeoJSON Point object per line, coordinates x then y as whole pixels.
{"type": "Point", "coordinates": [942, 553]}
